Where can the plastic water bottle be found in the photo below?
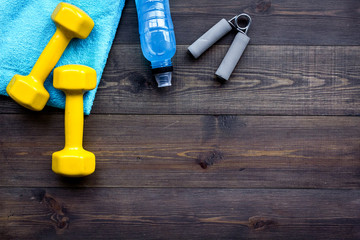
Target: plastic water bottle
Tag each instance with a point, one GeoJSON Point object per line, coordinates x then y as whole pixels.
{"type": "Point", "coordinates": [157, 37]}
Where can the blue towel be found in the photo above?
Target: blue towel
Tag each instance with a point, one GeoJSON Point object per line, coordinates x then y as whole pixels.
{"type": "Point", "coordinates": [26, 27]}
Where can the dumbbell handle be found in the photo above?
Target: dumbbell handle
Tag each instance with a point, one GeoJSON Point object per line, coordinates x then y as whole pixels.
{"type": "Point", "coordinates": [50, 56]}
{"type": "Point", "coordinates": [74, 119]}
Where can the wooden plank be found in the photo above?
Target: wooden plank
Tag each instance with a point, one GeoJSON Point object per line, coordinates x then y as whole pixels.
{"type": "Point", "coordinates": [269, 80]}
{"type": "Point", "coordinates": [117, 213]}
{"type": "Point", "coordinates": [188, 151]}
{"type": "Point", "coordinates": [307, 22]}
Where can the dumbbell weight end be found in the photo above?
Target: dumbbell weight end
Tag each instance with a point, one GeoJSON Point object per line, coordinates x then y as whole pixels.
{"type": "Point", "coordinates": [21, 88]}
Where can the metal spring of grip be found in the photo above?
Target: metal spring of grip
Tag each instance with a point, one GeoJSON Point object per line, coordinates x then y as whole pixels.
{"type": "Point", "coordinates": [234, 22]}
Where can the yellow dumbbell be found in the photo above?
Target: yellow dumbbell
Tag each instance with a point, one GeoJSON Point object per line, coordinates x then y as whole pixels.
{"type": "Point", "coordinates": [73, 160]}
{"type": "Point", "coordinates": [71, 22]}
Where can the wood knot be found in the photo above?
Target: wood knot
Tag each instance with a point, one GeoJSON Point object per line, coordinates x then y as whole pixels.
{"type": "Point", "coordinates": [61, 222]}
{"type": "Point", "coordinates": [209, 158]}
{"type": "Point", "coordinates": [258, 223]}
{"type": "Point", "coordinates": [263, 6]}
{"type": "Point", "coordinates": [227, 123]}
{"type": "Point", "coordinates": [139, 83]}
{"type": "Point", "coordinates": [58, 211]}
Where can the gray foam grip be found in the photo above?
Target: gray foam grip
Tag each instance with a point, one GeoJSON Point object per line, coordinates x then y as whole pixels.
{"type": "Point", "coordinates": [209, 38]}
{"type": "Point", "coordinates": [233, 56]}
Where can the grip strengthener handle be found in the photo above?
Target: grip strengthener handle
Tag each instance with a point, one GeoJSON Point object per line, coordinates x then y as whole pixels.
{"type": "Point", "coordinates": [236, 49]}
{"type": "Point", "coordinates": [210, 37]}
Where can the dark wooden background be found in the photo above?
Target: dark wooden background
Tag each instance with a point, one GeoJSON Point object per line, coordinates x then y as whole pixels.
{"type": "Point", "coordinates": [272, 154]}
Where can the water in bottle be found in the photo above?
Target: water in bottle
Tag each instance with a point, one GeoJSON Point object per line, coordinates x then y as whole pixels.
{"type": "Point", "coordinates": [157, 37]}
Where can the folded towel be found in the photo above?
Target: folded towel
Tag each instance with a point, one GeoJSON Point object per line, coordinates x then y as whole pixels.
{"type": "Point", "coordinates": [26, 28]}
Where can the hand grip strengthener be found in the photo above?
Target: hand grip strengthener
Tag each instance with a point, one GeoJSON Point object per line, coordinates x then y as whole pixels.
{"type": "Point", "coordinates": [236, 49]}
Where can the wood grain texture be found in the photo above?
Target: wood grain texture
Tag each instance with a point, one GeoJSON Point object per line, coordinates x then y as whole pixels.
{"type": "Point", "coordinates": [281, 22]}
{"type": "Point", "coordinates": [189, 151]}
{"type": "Point", "coordinates": [269, 80]}
{"type": "Point", "coordinates": [87, 213]}
{"type": "Point", "coordinates": [250, 159]}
